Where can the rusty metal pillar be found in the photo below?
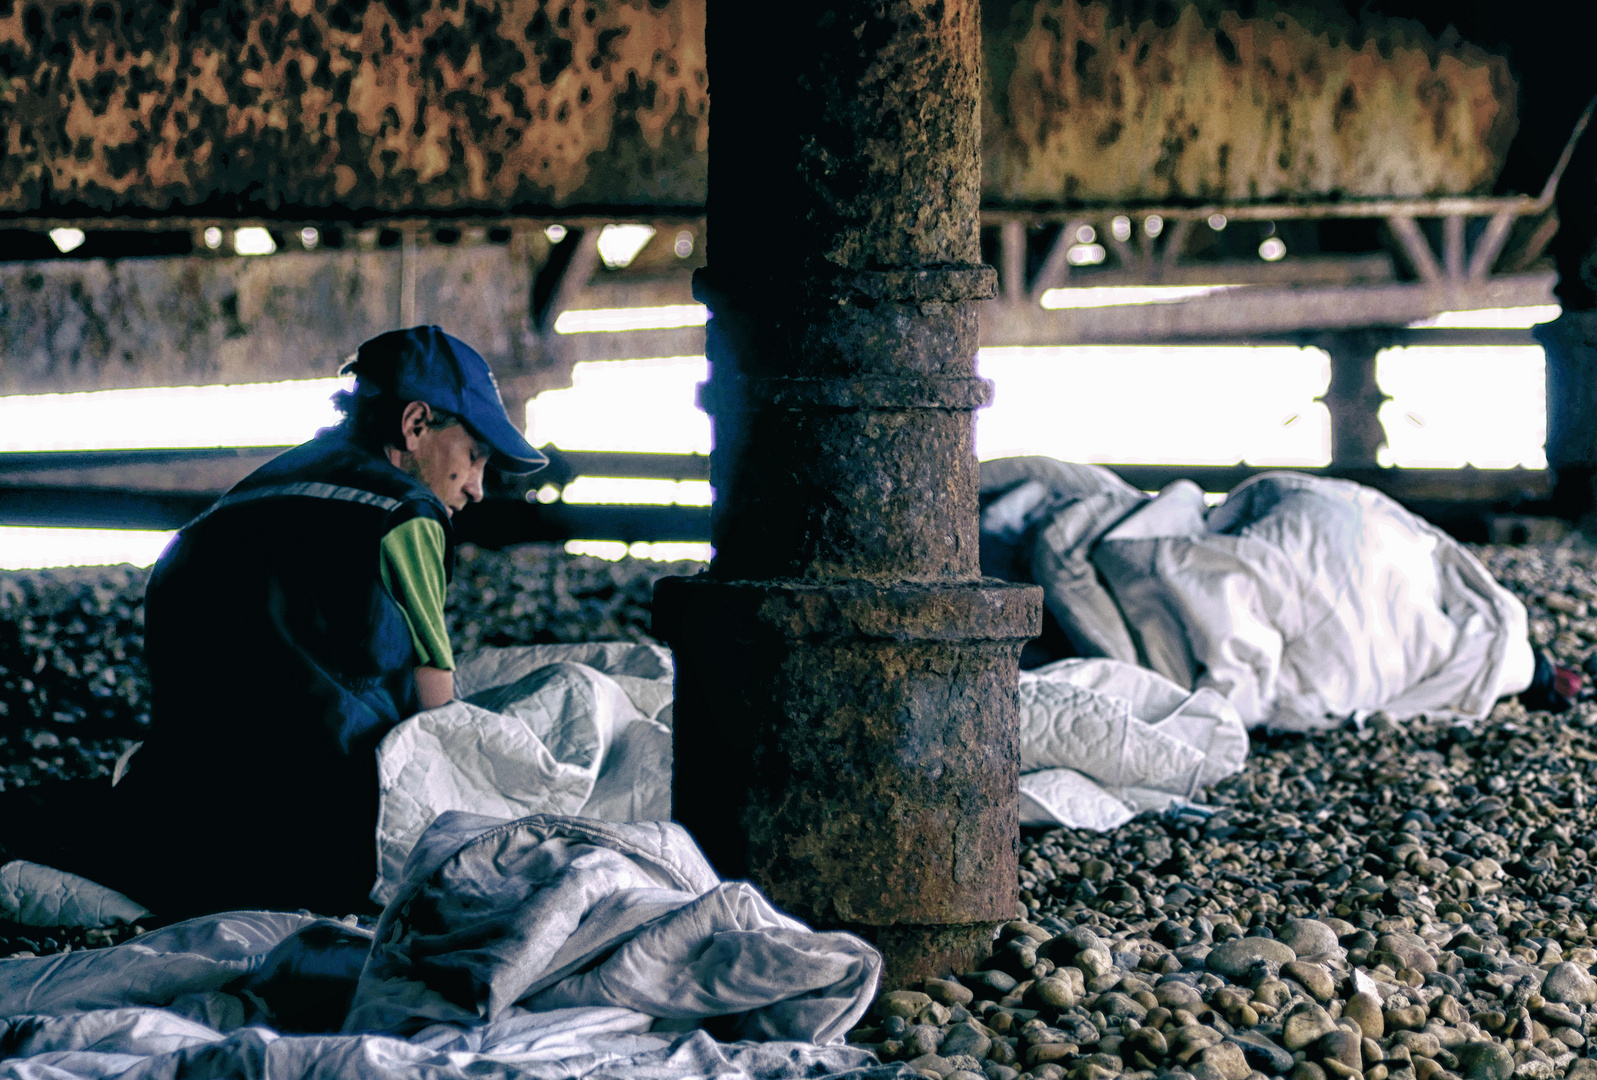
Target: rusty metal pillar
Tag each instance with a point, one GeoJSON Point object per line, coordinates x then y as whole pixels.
{"type": "Point", "coordinates": [1354, 400]}
{"type": "Point", "coordinates": [845, 692]}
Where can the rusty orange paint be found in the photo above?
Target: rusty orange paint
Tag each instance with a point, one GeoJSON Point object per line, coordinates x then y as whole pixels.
{"type": "Point", "coordinates": [1197, 102]}
{"type": "Point", "coordinates": [403, 105]}
{"type": "Point", "coordinates": [373, 107]}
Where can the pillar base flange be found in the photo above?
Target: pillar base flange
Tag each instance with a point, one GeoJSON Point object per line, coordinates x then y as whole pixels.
{"type": "Point", "coordinates": [853, 747]}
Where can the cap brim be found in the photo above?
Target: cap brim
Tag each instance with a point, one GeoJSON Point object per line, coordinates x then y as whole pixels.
{"type": "Point", "coordinates": [512, 453]}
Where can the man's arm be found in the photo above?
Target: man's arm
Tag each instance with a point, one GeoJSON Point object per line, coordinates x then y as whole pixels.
{"type": "Point", "coordinates": [412, 563]}
{"type": "Point", "coordinates": [435, 686]}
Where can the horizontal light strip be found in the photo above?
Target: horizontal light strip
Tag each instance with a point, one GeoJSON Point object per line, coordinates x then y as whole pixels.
{"type": "Point", "coordinates": [601, 490]}
{"type": "Point", "coordinates": [610, 320]}
{"type": "Point", "coordinates": [666, 551]}
{"type": "Point", "coordinates": [30, 548]}
{"type": "Point", "coordinates": [170, 417]}
{"type": "Point", "coordinates": [1503, 318]}
{"type": "Point", "coordinates": [1096, 296]}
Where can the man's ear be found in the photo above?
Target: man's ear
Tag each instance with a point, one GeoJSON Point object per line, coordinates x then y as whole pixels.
{"type": "Point", "coordinates": [412, 422]}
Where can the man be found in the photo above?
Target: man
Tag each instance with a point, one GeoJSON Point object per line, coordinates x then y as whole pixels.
{"type": "Point", "coordinates": [288, 629]}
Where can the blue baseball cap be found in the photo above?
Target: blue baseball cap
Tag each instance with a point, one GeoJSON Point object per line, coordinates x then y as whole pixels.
{"type": "Point", "coordinates": [426, 364]}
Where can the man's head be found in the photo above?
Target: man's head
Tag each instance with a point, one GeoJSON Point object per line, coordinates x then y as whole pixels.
{"type": "Point", "coordinates": [441, 452]}
{"type": "Point", "coordinates": [428, 402]}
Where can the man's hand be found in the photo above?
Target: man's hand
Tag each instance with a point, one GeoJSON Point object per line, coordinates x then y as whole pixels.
{"type": "Point", "coordinates": [435, 686]}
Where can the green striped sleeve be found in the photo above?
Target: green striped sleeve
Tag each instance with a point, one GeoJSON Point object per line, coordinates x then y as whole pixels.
{"type": "Point", "coordinates": [412, 564]}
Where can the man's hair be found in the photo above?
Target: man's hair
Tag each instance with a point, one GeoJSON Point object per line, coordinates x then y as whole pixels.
{"type": "Point", "coordinates": [372, 421]}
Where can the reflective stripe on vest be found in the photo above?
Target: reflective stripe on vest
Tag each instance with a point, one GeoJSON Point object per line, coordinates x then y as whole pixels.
{"type": "Point", "coordinates": [310, 489]}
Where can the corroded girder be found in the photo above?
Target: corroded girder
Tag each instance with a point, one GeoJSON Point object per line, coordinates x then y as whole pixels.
{"type": "Point", "coordinates": [846, 721]}
{"type": "Point", "coordinates": [424, 106]}
{"type": "Point", "coordinates": [357, 108]}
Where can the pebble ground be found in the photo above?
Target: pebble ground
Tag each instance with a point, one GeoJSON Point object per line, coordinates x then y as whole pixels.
{"type": "Point", "coordinates": [1413, 901]}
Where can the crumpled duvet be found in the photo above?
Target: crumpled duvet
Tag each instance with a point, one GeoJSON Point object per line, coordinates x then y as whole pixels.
{"type": "Point", "coordinates": [1302, 600]}
{"type": "Point", "coordinates": [538, 729]}
{"type": "Point", "coordinates": [584, 730]}
{"type": "Point", "coordinates": [548, 947]}
{"type": "Point", "coordinates": [1101, 741]}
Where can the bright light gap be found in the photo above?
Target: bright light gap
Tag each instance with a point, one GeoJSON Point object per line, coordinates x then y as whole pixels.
{"type": "Point", "coordinates": [1096, 296]}
{"type": "Point", "coordinates": [1508, 318]}
{"type": "Point", "coordinates": [170, 417]}
{"type": "Point", "coordinates": [612, 320]}
{"type": "Point", "coordinates": [1484, 406]}
{"type": "Point", "coordinates": [661, 551]}
{"type": "Point", "coordinates": [30, 548]}
{"type": "Point", "coordinates": [612, 490]}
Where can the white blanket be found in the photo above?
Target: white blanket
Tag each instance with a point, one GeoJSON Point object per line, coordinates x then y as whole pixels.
{"type": "Point", "coordinates": [584, 730]}
{"type": "Point", "coordinates": [1101, 741]}
{"type": "Point", "coordinates": [546, 948]}
{"type": "Point", "coordinates": [541, 729]}
{"type": "Point", "coordinates": [1303, 600]}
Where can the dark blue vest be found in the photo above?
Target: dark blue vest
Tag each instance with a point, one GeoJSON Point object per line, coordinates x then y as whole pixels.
{"type": "Point", "coordinates": [278, 662]}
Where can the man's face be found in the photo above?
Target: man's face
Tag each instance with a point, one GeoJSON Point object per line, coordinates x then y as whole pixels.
{"type": "Point", "coordinates": [449, 460]}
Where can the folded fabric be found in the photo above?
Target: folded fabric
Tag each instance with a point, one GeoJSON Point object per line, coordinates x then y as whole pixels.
{"type": "Point", "coordinates": [554, 912]}
{"type": "Point", "coordinates": [551, 948]}
{"type": "Point", "coordinates": [1303, 600]}
{"type": "Point", "coordinates": [540, 729]}
{"type": "Point", "coordinates": [36, 895]}
{"type": "Point", "coordinates": [1102, 741]}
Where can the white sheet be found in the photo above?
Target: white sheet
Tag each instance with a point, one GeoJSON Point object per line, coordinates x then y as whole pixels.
{"type": "Point", "coordinates": [545, 948]}
{"type": "Point", "coordinates": [541, 729]}
{"type": "Point", "coordinates": [1302, 600]}
{"type": "Point", "coordinates": [1102, 741]}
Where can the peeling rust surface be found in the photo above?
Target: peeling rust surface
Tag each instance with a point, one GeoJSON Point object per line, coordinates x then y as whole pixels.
{"type": "Point", "coordinates": [1193, 101]}
{"type": "Point", "coordinates": [402, 105]}
{"type": "Point", "coordinates": [440, 106]}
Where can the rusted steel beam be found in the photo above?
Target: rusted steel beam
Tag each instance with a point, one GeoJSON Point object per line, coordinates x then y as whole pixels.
{"type": "Point", "coordinates": [73, 325]}
{"type": "Point", "coordinates": [1105, 102]}
{"type": "Point", "coordinates": [282, 109]}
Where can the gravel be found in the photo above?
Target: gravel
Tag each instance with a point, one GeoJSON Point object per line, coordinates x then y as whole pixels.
{"type": "Point", "coordinates": [1412, 901]}
{"type": "Point", "coordinates": [74, 690]}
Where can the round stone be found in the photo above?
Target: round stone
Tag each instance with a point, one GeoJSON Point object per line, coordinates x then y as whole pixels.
{"type": "Point", "coordinates": [1484, 1061]}
{"type": "Point", "coordinates": [1307, 937]}
{"type": "Point", "coordinates": [1229, 1059]}
{"type": "Point", "coordinates": [1177, 995]}
{"type": "Point", "coordinates": [1364, 1009]}
{"type": "Point", "coordinates": [948, 992]}
{"type": "Point", "coordinates": [1314, 978]}
{"type": "Point", "coordinates": [1149, 1041]}
{"type": "Point", "coordinates": [1306, 1023]}
{"type": "Point", "coordinates": [1118, 1005]}
{"type": "Point", "coordinates": [1054, 993]}
{"type": "Point", "coordinates": [1570, 984]}
{"type": "Point", "coordinates": [1412, 1017]}
{"type": "Point", "coordinates": [1342, 1046]}
{"type": "Point", "coordinates": [905, 1003]}
{"type": "Point", "coordinates": [966, 1038]}
{"type": "Point", "coordinates": [1094, 963]}
{"type": "Point", "coordinates": [921, 1039]}
{"type": "Point", "coordinates": [1409, 950]}
{"type": "Point", "coordinates": [1237, 957]}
